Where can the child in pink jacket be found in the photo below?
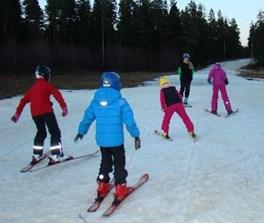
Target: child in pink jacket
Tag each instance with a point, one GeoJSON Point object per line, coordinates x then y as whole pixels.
{"type": "Point", "coordinates": [217, 77]}
{"type": "Point", "coordinates": [171, 101]}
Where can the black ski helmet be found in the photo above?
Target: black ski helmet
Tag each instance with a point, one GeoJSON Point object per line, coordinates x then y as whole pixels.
{"type": "Point", "coordinates": [43, 71]}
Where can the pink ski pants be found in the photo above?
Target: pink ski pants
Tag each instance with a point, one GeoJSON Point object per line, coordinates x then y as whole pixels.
{"type": "Point", "coordinates": [180, 110]}
{"type": "Point", "coordinates": [222, 89]}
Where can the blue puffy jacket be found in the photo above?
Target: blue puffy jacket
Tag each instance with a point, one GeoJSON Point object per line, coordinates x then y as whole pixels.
{"type": "Point", "coordinates": [110, 111]}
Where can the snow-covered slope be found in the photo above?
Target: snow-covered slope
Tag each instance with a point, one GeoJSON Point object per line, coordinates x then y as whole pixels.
{"type": "Point", "coordinates": [218, 179]}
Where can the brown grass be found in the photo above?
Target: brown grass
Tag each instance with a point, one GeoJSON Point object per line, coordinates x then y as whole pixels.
{"type": "Point", "coordinates": [252, 73]}
{"type": "Point", "coordinates": [12, 85]}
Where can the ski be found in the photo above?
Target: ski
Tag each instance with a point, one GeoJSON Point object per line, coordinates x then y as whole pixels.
{"type": "Point", "coordinates": [234, 112]}
{"type": "Point", "coordinates": [31, 165]}
{"type": "Point", "coordinates": [115, 204]}
{"type": "Point", "coordinates": [63, 160]}
{"type": "Point", "coordinates": [157, 132]}
{"type": "Point", "coordinates": [207, 110]}
{"type": "Point", "coordinates": [98, 200]}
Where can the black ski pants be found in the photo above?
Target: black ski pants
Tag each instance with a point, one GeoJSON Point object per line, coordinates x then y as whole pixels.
{"type": "Point", "coordinates": [185, 87]}
{"type": "Point", "coordinates": [113, 157]}
{"type": "Point", "coordinates": [49, 120]}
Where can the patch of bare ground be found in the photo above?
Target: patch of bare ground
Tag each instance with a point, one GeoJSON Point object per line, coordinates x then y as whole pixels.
{"type": "Point", "coordinates": [252, 71]}
{"type": "Point", "coordinates": [12, 85]}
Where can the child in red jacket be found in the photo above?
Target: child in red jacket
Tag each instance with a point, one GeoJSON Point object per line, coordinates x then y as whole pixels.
{"type": "Point", "coordinates": [42, 113]}
{"type": "Point", "coordinates": [171, 101]}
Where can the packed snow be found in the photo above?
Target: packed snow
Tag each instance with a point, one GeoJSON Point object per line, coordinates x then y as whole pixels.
{"type": "Point", "coordinates": [217, 179]}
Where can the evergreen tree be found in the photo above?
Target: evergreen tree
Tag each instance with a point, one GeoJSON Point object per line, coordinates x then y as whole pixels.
{"type": "Point", "coordinates": [84, 23]}
{"type": "Point", "coordinates": [143, 23]}
{"type": "Point", "coordinates": [53, 11]}
{"type": "Point", "coordinates": [159, 15]}
{"type": "Point", "coordinates": [190, 31]}
{"type": "Point", "coordinates": [213, 35]}
{"type": "Point", "coordinates": [251, 39]}
{"type": "Point", "coordinates": [33, 18]}
{"type": "Point", "coordinates": [10, 21]}
{"type": "Point", "coordinates": [68, 19]}
{"type": "Point", "coordinates": [233, 44]}
{"type": "Point", "coordinates": [201, 54]}
{"type": "Point", "coordinates": [258, 39]}
{"type": "Point", "coordinates": [174, 23]}
{"type": "Point", "coordinates": [221, 35]}
{"type": "Point", "coordinates": [104, 21]}
{"type": "Point", "coordinates": [126, 26]}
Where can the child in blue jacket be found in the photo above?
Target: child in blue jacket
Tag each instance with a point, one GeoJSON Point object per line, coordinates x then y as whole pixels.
{"type": "Point", "coordinates": [110, 110]}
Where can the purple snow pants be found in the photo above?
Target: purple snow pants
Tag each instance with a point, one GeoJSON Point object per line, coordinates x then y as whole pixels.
{"type": "Point", "coordinates": [222, 89]}
{"type": "Point", "coordinates": [180, 110]}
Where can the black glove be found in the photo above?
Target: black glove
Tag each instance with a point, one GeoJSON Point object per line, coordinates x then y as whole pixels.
{"type": "Point", "coordinates": [137, 143]}
{"type": "Point", "coordinates": [209, 81]}
{"type": "Point", "coordinates": [77, 137]}
{"type": "Point", "coordinates": [226, 81]}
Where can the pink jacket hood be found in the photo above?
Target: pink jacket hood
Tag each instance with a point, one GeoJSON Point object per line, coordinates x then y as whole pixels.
{"type": "Point", "coordinates": [217, 75]}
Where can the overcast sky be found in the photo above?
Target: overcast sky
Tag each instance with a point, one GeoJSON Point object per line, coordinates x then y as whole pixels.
{"type": "Point", "coordinates": [243, 11]}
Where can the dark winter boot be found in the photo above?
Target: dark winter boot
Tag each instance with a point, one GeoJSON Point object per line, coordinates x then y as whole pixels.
{"type": "Point", "coordinates": [121, 190]}
{"type": "Point", "coordinates": [193, 135]}
{"type": "Point", "coordinates": [165, 135]}
{"type": "Point", "coordinates": [214, 112]}
{"type": "Point", "coordinates": [102, 189]}
{"type": "Point", "coordinates": [229, 112]}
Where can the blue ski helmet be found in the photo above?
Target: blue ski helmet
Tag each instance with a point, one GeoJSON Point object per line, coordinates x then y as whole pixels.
{"type": "Point", "coordinates": [110, 80]}
{"type": "Point", "coordinates": [43, 71]}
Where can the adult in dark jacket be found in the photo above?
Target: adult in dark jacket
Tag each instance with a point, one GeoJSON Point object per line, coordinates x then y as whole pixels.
{"type": "Point", "coordinates": [185, 72]}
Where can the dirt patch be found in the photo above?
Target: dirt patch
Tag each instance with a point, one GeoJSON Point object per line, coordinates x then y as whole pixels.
{"type": "Point", "coordinates": [12, 85]}
{"type": "Point", "coordinates": [252, 73]}
{"type": "Point", "coordinates": [252, 70]}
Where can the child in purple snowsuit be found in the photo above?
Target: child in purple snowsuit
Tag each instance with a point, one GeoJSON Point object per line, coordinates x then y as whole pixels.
{"type": "Point", "coordinates": [218, 78]}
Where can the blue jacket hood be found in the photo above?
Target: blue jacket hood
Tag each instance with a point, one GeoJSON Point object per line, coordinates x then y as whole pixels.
{"type": "Point", "coordinates": [106, 96]}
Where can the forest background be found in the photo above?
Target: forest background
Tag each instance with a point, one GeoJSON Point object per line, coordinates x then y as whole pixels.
{"type": "Point", "coordinates": [83, 38]}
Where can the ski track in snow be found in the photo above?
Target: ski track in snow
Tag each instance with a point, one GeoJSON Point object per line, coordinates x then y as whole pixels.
{"type": "Point", "coordinates": [217, 179]}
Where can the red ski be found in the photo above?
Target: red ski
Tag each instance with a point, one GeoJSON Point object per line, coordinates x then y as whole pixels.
{"type": "Point", "coordinates": [98, 200]}
{"type": "Point", "coordinates": [115, 204]}
{"type": "Point", "coordinates": [31, 164]}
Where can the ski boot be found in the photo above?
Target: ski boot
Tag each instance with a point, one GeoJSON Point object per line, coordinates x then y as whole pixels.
{"type": "Point", "coordinates": [102, 189]}
{"type": "Point", "coordinates": [165, 135]}
{"type": "Point", "coordinates": [53, 159]}
{"type": "Point", "coordinates": [193, 135]}
{"type": "Point", "coordinates": [214, 112]}
{"type": "Point", "coordinates": [229, 112]}
{"type": "Point", "coordinates": [56, 154]}
{"type": "Point", "coordinates": [35, 159]}
{"type": "Point", "coordinates": [121, 190]}
{"type": "Point", "coordinates": [185, 102]}
{"type": "Point", "coordinates": [37, 154]}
